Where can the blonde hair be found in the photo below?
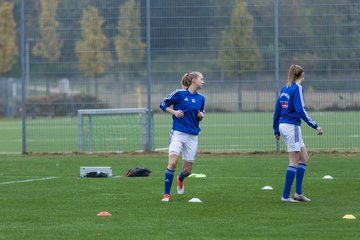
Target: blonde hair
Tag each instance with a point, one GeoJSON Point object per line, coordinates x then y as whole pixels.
{"type": "Point", "coordinates": [187, 79]}
{"type": "Point", "coordinates": [295, 72]}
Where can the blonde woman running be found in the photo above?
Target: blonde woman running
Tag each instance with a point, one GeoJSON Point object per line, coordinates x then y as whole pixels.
{"type": "Point", "coordinates": [186, 106]}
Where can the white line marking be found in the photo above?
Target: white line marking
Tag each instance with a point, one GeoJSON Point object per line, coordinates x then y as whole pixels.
{"type": "Point", "coordinates": [28, 180]}
{"type": "Point", "coordinates": [161, 149]}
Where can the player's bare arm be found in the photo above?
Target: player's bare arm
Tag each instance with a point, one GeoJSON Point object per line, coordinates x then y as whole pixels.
{"type": "Point", "coordinates": [176, 113]}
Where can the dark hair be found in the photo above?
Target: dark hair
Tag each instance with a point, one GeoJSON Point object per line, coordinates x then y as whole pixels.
{"type": "Point", "coordinates": [295, 72]}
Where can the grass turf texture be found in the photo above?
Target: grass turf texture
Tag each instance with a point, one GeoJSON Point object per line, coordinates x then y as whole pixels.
{"type": "Point", "coordinates": [233, 207]}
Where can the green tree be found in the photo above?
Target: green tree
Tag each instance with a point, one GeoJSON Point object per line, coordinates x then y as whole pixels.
{"type": "Point", "coordinates": [336, 41]}
{"type": "Point", "coordinates": [91, 49]}
{"type": "Point", "coordinates": [239, 53]}
{"type": "Point", "coordinates": [8, 48]}
{"type": "Point", "coordinates": [129, 48]}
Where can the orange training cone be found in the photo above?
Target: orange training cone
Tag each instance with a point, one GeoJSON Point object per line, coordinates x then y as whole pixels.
{"type": "Point", "coordinates": [103, 214]}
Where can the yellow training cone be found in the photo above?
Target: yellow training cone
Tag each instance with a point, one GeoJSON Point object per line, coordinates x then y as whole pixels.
{"type": "Point", "coordinates": [349, 216]}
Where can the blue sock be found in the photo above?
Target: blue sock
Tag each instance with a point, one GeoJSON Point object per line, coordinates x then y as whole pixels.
{"type": "Point", "coordinates": [300, 171]}
{"type": "Point", "coordinates": [290, 175]}
{"type": "Point", "coordinates": [182, 175]}
{"type": "Point", "coordinates": [169, 176]}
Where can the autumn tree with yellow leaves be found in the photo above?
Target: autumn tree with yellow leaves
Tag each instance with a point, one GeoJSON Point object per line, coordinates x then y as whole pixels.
{"type": "Point", "coordinates": [91, 50]}
{"type": "Point", "coordinates": [50, 44]}
{"type": "Point", "coordinates": [130, 50]}
{"type": "Point", "coordinates": [8, 47]}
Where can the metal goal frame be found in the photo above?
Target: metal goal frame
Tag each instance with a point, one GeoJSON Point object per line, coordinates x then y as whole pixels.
{"type": "Point", "coordinates": [146, 116]}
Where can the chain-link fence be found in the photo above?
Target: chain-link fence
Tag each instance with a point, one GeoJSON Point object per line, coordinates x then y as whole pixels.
{"type": "Point", "coordinates": [89, 54]}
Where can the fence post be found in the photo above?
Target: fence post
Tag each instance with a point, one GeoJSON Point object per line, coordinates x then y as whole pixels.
{"type": "Point", "coordinates": [23, 92]}
{"type": "Point", "coordinates": [276, 53]}
{"type": "Point", "coordinates": [149, 82]}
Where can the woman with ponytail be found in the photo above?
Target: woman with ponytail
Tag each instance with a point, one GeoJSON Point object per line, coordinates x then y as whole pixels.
{"type": "Point", "coordinates": [289, 110]}
{"type": "Point", "coordinates": [186, 106]}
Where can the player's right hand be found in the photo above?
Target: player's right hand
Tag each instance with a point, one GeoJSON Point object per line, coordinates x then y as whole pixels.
{"type": "Point", "coordinates": [179, 114]}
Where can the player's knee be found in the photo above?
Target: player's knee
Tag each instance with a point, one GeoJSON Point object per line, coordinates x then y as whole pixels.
{"type": "Point", "coordinates": [172, 161]}
{"type": "Point", "coordinates": [171, 165]}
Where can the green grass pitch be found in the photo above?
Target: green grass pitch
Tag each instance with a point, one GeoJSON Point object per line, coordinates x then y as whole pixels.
{"type": "Point", "coordinates": [43, 197]}
{"type": "Point", "coordinates": [221, 132]}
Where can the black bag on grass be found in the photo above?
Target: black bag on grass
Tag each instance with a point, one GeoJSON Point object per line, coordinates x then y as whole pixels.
{"type": "Point", "coordinates": [138, 172]}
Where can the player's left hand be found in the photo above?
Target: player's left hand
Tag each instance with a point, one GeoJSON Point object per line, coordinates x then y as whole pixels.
{"type": "Point", "coordinates": [319, 131]}
{"type": "Point", "coordinates": [276, 136]}
{"type": "Point", "coordinates": [200, 115]}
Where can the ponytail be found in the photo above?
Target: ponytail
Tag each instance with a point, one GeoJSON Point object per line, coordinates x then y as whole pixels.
{"type": "Point", "coordinates": [187, 79]}
{"type": "Point", "coordinates": [295, 72]}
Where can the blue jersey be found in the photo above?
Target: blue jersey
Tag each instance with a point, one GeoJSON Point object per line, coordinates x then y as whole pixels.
{"type": "Point", "coordinates": [290, 108]}
{"type": "Point", "coordinates": [190, 104]}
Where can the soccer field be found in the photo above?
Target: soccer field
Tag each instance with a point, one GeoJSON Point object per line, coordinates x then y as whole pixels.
{"type": "Point", "coordinates": [221, 132]}
{"type": "Point", "coordinates": [43, 197]}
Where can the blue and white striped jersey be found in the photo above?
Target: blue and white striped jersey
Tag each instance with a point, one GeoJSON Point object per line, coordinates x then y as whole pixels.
{"type": "Point", "coordinates": [190, 104]}
{"type": "Point", "coordinates": [290, 108]}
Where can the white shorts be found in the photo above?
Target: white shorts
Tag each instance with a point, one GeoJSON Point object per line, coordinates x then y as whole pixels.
{"type": "Point", "coordinates": [292, 136]}
{"type": "Point", "coordinates": [184, 142]}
